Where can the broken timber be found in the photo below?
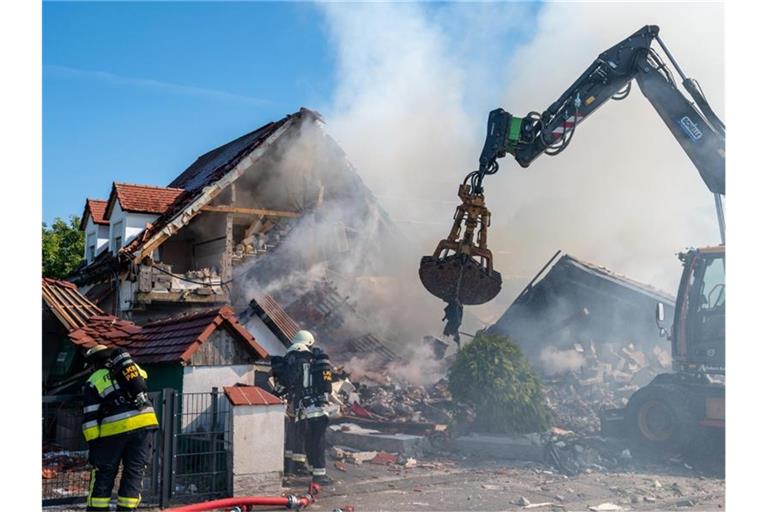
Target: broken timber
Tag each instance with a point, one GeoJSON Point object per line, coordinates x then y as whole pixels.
{"type": "Point", "coordinates": [186, 214]}
{"type": "Point", "coordinates": [249, 211]}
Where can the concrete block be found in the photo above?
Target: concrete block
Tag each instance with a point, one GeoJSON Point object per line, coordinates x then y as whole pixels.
{"type": "Point", "coordinates": [524, 447]}
{"type": "Point", "coordinates": [367, 439]}
{"type": "Point", "coordinates": [255, 484]}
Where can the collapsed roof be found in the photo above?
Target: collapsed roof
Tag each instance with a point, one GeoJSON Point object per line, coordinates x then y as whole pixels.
{"type": "Point", "coordinates": [575, 301]}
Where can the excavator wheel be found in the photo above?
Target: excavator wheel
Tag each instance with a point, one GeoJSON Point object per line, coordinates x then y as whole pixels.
{"type": "Point", "coordinates": [442, 277]}
{"type": "Point", "coordinates": [661, 417]}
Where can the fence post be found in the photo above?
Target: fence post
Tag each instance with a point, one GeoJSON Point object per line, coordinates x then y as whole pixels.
{"type": "Point", "coordinates": [168, 427]}
{"type": "Point", "coordinates": [213, 435]}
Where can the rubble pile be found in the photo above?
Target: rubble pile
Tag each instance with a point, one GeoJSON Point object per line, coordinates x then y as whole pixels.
{"type": "Point", "coordinates": [607, 378]}
{"type": "Point", "coordinates": [573, 454]}
{"type": "Point", "coordinates": [393, 402]}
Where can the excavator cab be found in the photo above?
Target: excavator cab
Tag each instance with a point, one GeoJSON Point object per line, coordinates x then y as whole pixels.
{"type": "Point", "coordinates": [698, 335]}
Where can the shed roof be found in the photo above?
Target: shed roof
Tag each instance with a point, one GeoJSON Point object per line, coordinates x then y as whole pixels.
{"type": "Point", "coordinates": [250, 395]}
{"type": "Point", "coordinates": [68, 304]}
{"type": "Point", "coordinates": [170, 340]}
{"type": "Point", "coordinates": [178, 338]}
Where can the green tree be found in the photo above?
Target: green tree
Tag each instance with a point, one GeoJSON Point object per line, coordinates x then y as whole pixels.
{"type": "Point", "coordinates": [63, 245]}
{"type": "Point", "coordinates": [492, 375]}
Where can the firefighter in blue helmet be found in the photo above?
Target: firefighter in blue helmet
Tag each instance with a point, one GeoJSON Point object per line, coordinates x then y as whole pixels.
{"type": "Point", "coordinates": [118, 418]}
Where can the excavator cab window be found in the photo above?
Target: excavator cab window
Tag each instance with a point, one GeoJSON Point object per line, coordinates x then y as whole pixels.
{"type": "Point", "coordinates": [706, 312]}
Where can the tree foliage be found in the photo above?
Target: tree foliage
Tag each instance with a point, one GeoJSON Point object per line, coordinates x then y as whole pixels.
{"type": "Point", "coordinates": [63, 245]}
{"type": "Point", "coordinates": [493, 376]}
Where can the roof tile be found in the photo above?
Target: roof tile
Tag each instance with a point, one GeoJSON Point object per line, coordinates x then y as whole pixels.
{"type": "Point", "coordinates": [143, 198]}
{"type": "Point", "coordinates": [250, 395]}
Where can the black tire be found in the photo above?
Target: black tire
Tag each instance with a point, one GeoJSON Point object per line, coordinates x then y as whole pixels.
{"type": "Point", "coordinates": [661, 417]}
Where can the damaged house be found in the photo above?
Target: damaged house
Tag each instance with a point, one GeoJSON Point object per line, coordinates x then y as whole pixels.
{"type": "Point", "coordinates": [278, 215]}
{"type": "Point", "coordinates": [154, 251]}
{"type": "Point", "coordinates": [571, 301]}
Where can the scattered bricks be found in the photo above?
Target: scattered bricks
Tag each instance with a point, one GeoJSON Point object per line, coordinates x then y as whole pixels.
{"type": "Point", "coordinates": [340, 466]}
{"type": "Point", "coordinates": [384, 458]}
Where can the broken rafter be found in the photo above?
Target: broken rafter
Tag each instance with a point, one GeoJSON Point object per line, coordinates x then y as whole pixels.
{"type": "Point", "coordinates": [210, 192]}
{"type": "Point", "coordinates": [249, 211]}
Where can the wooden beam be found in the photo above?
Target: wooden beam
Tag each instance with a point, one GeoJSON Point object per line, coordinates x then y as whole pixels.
{"type": "Point", "coordinates": [249, 211]}
{"type": "Point", "coordinates": [226, 257]}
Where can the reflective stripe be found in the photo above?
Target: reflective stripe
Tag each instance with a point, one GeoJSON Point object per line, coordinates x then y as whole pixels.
{"type": "Point", "coordinates": [142, 373]}
{"type": "Point", "coordinates": [91, 433]}
{"type": "Point", "coordinates": [91, 408]}
{"type": "Point", "coordinates": [128, 502]}
{"type": "Point", "coordinates": [120, 416]}
{"type": "Point", "coordinates": [142, 419]}
{"type": "Point", "coordinates": [109, 389]}
{"type": "Point", "coordinates": [99, 502]}
{"type": "Point", "coordinates": [315, 414]}
{"type": "Point", "coordinates": [91, 430]}
{"type": "Point", "coordinates": [298, 457]}
{"type": "Point", "coordinates": [318, 472]}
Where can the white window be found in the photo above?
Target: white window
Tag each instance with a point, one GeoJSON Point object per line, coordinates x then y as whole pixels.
{"type": "Point", "coordinates": [117, 236]}
{"type": "Point", "coordinates": [90, 251]}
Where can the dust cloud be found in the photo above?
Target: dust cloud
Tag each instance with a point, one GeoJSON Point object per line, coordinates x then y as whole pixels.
{"type": "Point", "coordinates": [415, 84]}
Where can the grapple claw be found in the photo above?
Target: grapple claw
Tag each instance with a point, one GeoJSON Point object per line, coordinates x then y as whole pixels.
{"type": "Point", "coordinates": [460, 268]}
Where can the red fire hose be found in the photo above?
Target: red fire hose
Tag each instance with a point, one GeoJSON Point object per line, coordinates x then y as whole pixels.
{"type": "Point", "coordinates": [245, 503]}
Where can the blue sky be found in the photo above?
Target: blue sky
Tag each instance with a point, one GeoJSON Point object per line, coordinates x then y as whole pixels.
{"type": "Point", "coordinates": [134, 92]}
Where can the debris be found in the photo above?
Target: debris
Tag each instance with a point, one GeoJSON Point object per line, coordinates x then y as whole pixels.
{"type": "Point", "coordinates": [340, 466]}
{"type": "Point", "coordinates": [626, 454]}
{"type": "Point", "coordinates": [491, 487]}
{"type": "Point", "coordinates": [606, 507]}
{"type": "Point", "coordinates": [383, 458]}
{"type": "Point", "coordinates": [539, 505]}
{"type": "Point", "coordinates": [523, 501]}
{"type": "Point", "coordinates": [685, 503]}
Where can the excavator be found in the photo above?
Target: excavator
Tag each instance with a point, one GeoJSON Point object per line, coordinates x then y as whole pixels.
{"type": "Point", "coordinates": [664, 413]}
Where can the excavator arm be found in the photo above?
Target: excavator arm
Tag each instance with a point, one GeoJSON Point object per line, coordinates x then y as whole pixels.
{"type": "Point", "coordinates": [695, 126]}
{"type": "Point", "coordinates": [460, 271]}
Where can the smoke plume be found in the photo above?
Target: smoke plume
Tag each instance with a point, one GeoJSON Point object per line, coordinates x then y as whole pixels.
{"type": "Point", "coordinates": [415, 84]}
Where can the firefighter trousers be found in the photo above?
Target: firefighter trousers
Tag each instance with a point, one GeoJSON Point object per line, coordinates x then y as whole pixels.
{"type": "Point", "coordinates": [315, 436]}
{"type": "Point", "coordinates": [106, 454]}
{"type": "Point", "coordinates": [295, 434]}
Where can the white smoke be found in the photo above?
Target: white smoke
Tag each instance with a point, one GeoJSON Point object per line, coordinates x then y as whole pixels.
{"type": "Point", "coordinates": [415, 84]}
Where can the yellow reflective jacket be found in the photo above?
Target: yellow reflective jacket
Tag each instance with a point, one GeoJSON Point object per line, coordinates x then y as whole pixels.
{"type": "Point", "coordinates": [106, 412]}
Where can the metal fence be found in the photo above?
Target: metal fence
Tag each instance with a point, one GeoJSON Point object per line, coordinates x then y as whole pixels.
{"type": "Point", "coordinates": [201, 448]}
{"type": "Point", "coordinates": [191, 454]}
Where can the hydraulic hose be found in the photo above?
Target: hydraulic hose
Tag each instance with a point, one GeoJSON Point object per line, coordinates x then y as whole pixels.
{"type": "Point", "coordinates": [246, 502]}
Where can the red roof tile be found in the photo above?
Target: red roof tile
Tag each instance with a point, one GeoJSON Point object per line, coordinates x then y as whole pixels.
{"type": "Point", "coordinates": [95, 208]}
{"type": "Point", "coordinates": [142, 198]}
{"type": "Point", "coordinates": [250, 395]}
{"type": "Point", "coordinates": [65, 301]}
{"type": "Point", "coordinates": [272, 311]}
{"type": "Point", "coordinates": [173, 339]}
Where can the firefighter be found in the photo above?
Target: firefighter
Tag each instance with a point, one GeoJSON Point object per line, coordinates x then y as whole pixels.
{"type": "Point", "coordinates": [314, 376]}
{"type": "Point", "coordinates": [297, 366]}
{"type": "Point", "coordinates": [117, 424]}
